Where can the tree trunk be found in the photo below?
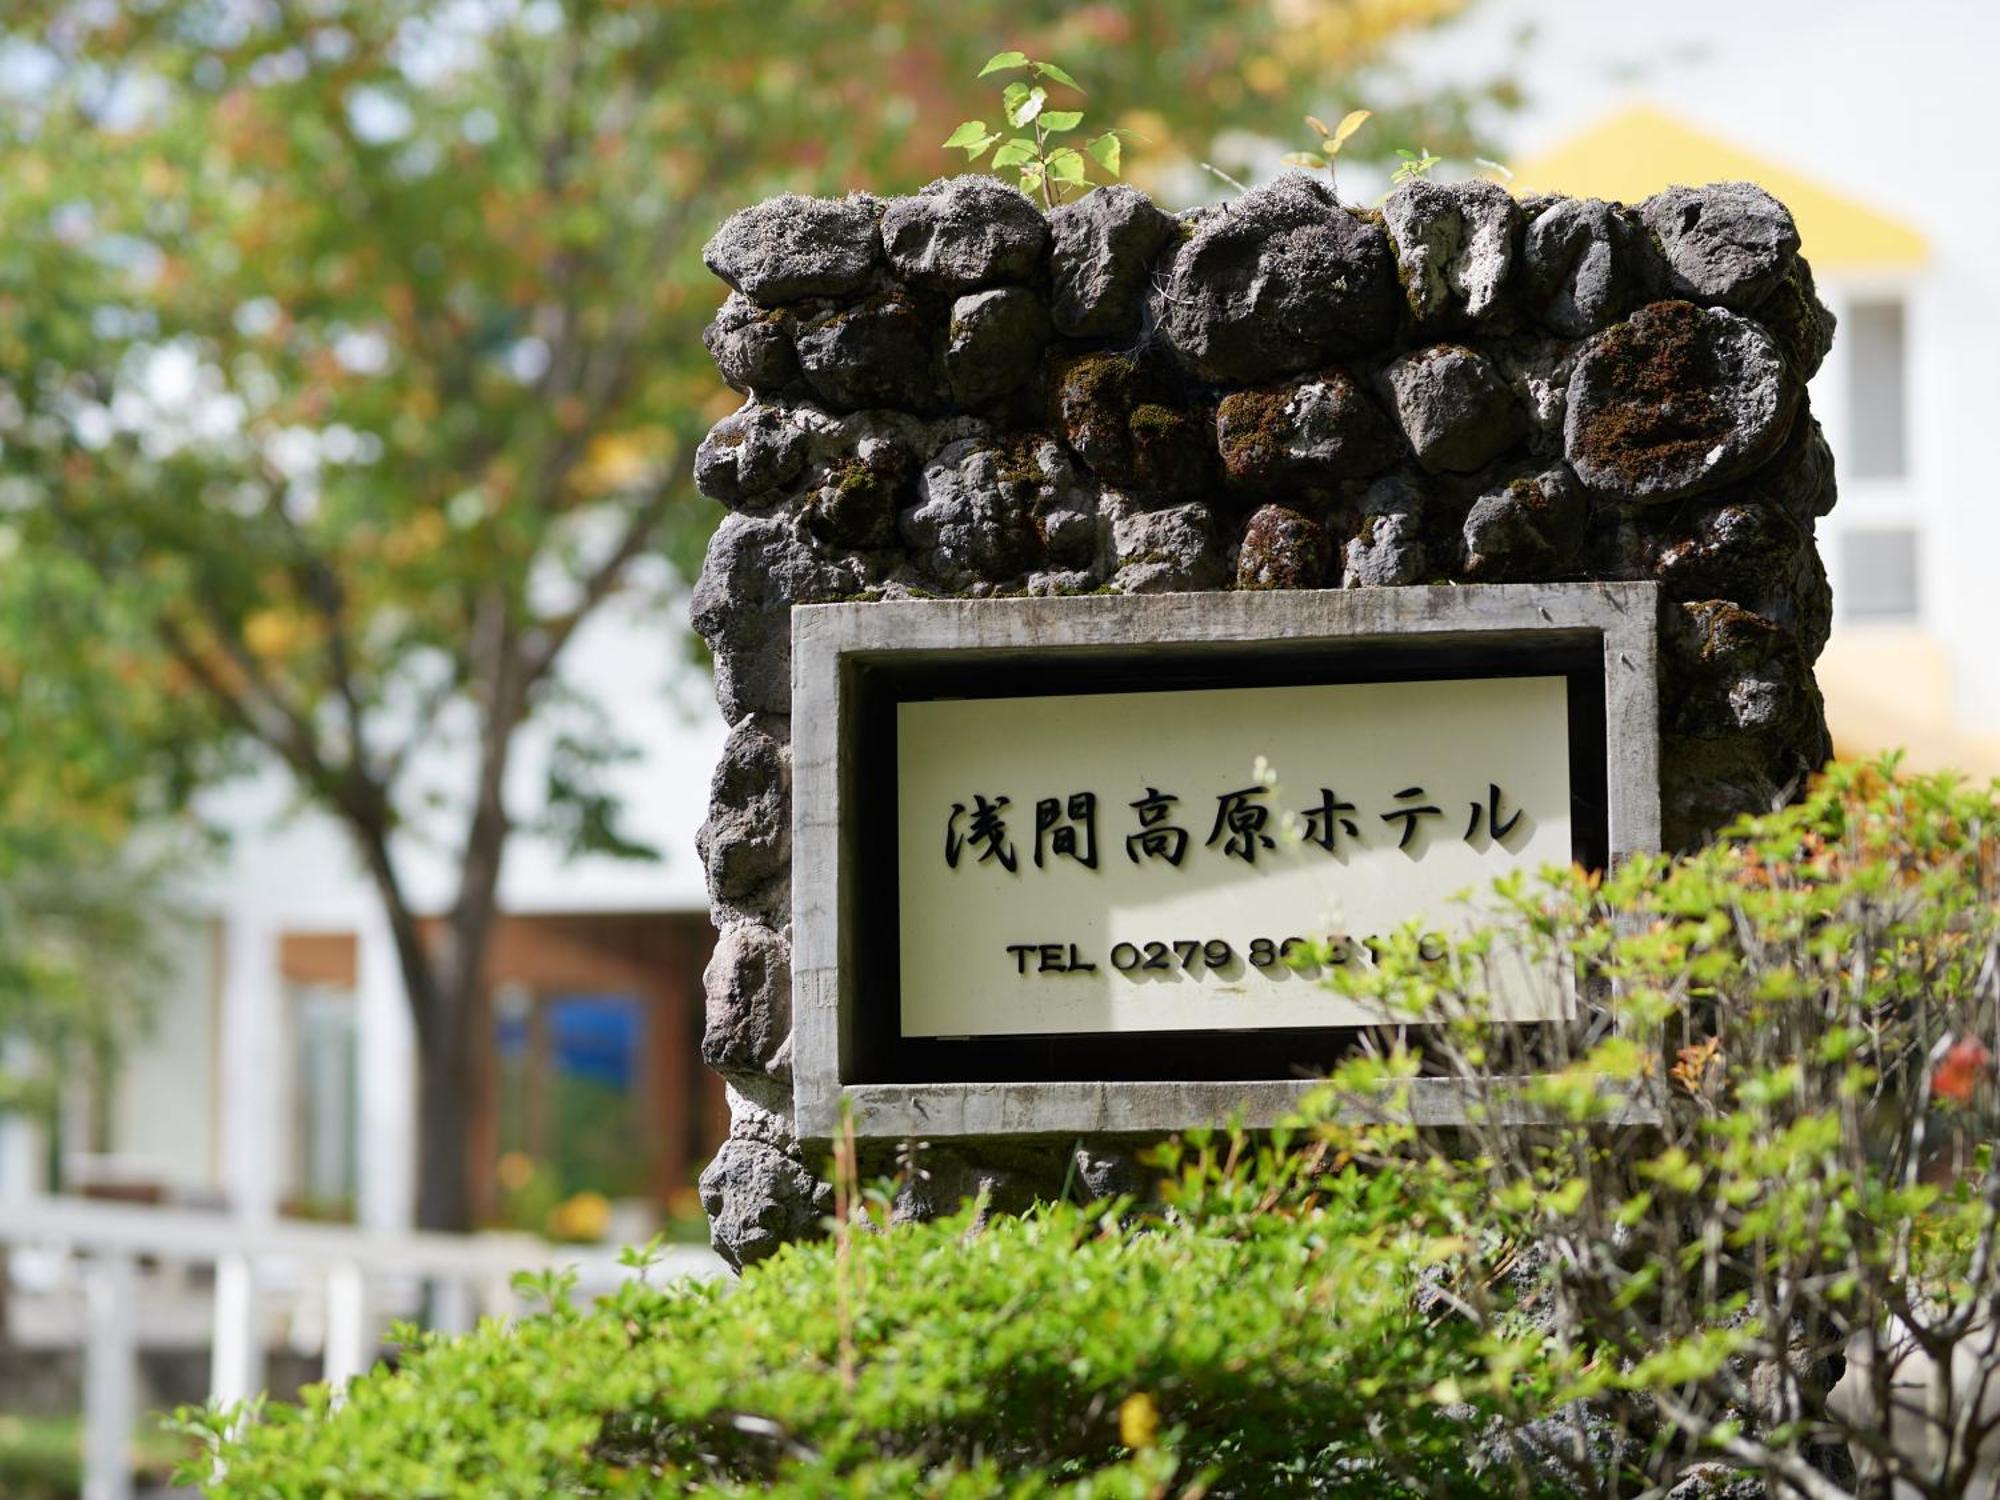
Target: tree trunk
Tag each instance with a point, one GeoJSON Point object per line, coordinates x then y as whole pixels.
{"type": "Point", "coordinates": [444, 1110]}
{"type": "Point", "coordinates": [443, 980]}
{"type": "Point", "coordinates": [450, 1031]}
{"type": "Point", "coordinates": [446, 980]}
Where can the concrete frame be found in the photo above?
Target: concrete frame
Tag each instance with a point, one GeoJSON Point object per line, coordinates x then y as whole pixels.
{"type": "Point", "coordinates": [830, 640]}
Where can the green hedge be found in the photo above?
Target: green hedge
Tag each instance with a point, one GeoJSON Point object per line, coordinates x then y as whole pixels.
{"type": "Point", "coordinates": [1808, 1018]}
{"type": "Point", "coordinates": [1074, 1351]}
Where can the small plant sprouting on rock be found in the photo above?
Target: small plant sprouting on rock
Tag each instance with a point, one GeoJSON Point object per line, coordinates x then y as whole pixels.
{"type": "Point", "coordinates": [1327, 153]}
{"type": "Point", "coordinates": [1046, 167]}
{"type": "Point", "coordinates": [1413, 165]}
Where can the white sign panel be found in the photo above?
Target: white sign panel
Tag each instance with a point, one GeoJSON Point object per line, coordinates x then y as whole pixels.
{"type": "Point", "coordinates": [1121, 862]}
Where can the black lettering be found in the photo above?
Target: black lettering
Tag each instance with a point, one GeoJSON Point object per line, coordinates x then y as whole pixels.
{"type": "Point", "coordinates": [1243, 820]}
{"type": "Point", "coordinates": [1056, 825]}
{"type": "Point", "coordinates": [1326, 822]}
{"type": "Point", "coordinates": [1020, 952]}
{"type": "Point", "coordinates": [1157, 957]}
{"type": "Point", "coordinates": [1052, 955]}
{"type": "Point", "coordinates": [1409, 815]}
{"type": "Point", "coordinates": [1156, 838]}
{"type": "Point", "coordinates": [988, 829]}
{"type": "Point", "coordinates": [1124, 958]}
{"type": "Point", "coordinates": [1490, 813]}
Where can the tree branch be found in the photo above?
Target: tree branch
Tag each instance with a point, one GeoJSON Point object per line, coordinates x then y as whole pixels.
{"type": "Point", "coordinates": [555, 633]}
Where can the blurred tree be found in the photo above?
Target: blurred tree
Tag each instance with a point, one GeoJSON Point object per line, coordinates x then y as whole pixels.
{"type": "Point", "coordinates": [353, 345]}
{"type": "Point", "coordinates": [91, 743]}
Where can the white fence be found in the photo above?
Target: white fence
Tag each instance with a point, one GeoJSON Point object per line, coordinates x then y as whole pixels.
{"type": "Point", "coordinates": [350, 1269]}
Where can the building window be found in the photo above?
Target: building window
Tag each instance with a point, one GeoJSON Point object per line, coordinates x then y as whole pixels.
{"type": "Point", "coordinates": [1878, 574]}
{"type": "Point", "coordinates": [1877, 414]}
{"type": "Point", "coordinates": [326, 1082]}
{"type": "Point", "coordinates": [570, 1119]}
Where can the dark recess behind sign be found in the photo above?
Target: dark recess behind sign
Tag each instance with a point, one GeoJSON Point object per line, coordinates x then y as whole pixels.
{"type": "Point", "coordinates": [879, 1053]}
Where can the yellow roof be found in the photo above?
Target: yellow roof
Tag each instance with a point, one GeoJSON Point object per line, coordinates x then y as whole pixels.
{"type": "Point", "coordinates": [1634, 154]}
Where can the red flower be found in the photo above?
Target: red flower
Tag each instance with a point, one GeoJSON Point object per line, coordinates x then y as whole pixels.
{"type": "Point", "coordinates": [1959, 1071]}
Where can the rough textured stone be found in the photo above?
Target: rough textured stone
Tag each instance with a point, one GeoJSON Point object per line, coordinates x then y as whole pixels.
{"type": "Point", "coordinates": [1386, 547]}
{"type": "Point", "coordinates": [1454, 408]}
{"type": "Point", "coordinates": [1454, 245]}
{"type": "Point", "coordinates": [881, 352]}
{"type": "Point", "coordinates": [1171, 550]}
{"type": "Point", "coordinates": [1728, 244]}
{"type": "Point", "coordinates": [994, 509]}
{"type": "Point", "coordinates": [1675, 400]}
{"type": "Point", "coordinates": [1742, 549]}
{"type": "Point", "coordinates": [964, 232]}
{"type": "Point", "coordinates": [748, 985]}
{"type": "Point", "coordinates": [760, 1196]}
{"type": "Point", "coordinates": [1538, 371]}
{"type": "Point", "coordinates": [1282, 549]}
{"type": "Point", "coordinates": [1101, 254]}
{"type": "Point", "coordinates": [788, 248]}
{"type": "Point", "coordinates": [1105, 1173]}
{"type": "Point", "coordinates": [1530, 526]}
{"type": "Point", "coordinates": [757, 569]}
{"type": "Point", "coordinates": [1315, 431]}
{"type": "Point", "coordinates": [750, 455]}
{"type": "Point", "coordinates": [866, 474]}
{"type": "Point", "coordinates": [750, 346]}
{"type": "Point", "coordinates": [1717, 1482]}
{"type": "Point", "coordinates": [1580, 264]}
{"type": "Point", "coordinates": [747, 841]}
{"type": "Point", "coordinates": [1742, 724]}
{"type": "Point", "coordinates": [1801, 478]}
{"type": "Point", "coordinates": [1281, 280]}
{"type": "Point", "coordinates": [945, 1180]}
{"type": "Point", "coordinates": [1122, 415]}
{"type": "Point", "coordinates": [994, 344]}
{"type": "Point", "coordinates": [1799, 321]}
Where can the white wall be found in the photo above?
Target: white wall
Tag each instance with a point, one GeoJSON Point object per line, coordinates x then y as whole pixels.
{"type": "Point", "coordinates": [164, 1126]}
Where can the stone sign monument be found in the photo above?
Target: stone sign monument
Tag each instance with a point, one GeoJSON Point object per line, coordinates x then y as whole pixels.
{"type": "Point", "coordinates": [1111, 601]}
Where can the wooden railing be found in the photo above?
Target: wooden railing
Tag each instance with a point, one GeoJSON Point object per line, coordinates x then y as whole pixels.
{"type": "Point", "coordinates": [468, 1276]}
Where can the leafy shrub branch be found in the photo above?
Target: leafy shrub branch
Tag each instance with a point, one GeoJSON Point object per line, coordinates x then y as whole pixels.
{"type": "Point", "coordinates": [1045, 164]}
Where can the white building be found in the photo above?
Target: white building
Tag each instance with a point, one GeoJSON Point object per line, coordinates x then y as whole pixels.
{"type": "Point", "coordinates": [278, 1075]}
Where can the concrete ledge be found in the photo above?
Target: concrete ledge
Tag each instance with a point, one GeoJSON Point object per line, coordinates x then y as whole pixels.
{"type": "Point", "coordinates": [947, 1110]}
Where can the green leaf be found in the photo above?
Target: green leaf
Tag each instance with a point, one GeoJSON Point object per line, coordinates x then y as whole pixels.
{"type": "Point", "coordinates": [1031, 182]}
{"type": "Point", "coordinates": [1057, 120]}
{"type": "Point", "coordinates": [999, 62]}
{"type": "Point", "coordinates": [1016, 152]}
{"type": "Point", "coordinates": [1067, 165]}
{"type": "Point", "coordinates": [967, 134]}
{"type": "Point", "coordinates": [1022, 107]}
{"type": "Point", "coordinates": [1107, 151]}
{"type": "Point", "coordinates": [1309, 159]}
{"type": "Point", "coordinates": [1050, 70]}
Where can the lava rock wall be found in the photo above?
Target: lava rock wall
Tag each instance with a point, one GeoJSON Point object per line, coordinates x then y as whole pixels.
{"type": "Point", "coordinates": [954, 393]}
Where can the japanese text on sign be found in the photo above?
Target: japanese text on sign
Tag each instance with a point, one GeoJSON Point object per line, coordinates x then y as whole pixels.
{"type": "Point", "coordinates": [1148, 861]}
